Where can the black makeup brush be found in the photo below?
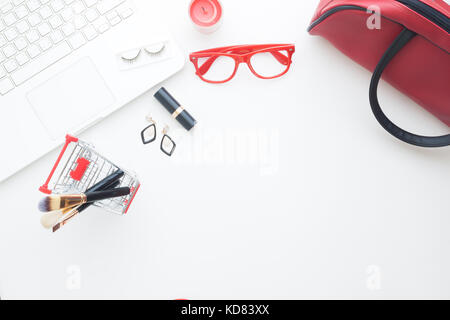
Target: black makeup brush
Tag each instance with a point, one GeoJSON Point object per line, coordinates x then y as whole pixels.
{"type": "Point", "coordinates": [111, 186]}
{"type": "Point", "coordinates": [107, 182]}
{"type": "Point", "coordinates": [110, 182]}
{"type": "Point", "coordinates": [104, 184]}
{"type": "Point", "coordinates": [58, 202]}
{"type": "Point", "coordinates": [78, 210]}
{"type": "Point", "coordinates": [51, 219]}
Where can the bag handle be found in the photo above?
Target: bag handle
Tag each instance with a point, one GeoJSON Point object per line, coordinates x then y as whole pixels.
{"type": "Point", "coordinates": [408, 137]}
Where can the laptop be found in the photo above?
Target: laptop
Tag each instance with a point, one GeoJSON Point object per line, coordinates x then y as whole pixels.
{"type": "Point", "coordinates": [67, 64]}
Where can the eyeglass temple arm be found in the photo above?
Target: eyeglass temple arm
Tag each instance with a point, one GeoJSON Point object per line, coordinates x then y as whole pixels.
{"type": "Point", "coordinates": [281, 58]}
{"type": "Point", "coordinates": [207, 65]}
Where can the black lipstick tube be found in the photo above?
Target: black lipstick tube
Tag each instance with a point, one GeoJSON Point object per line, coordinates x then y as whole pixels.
{"type": "Point", "coordinates": [175, 109]}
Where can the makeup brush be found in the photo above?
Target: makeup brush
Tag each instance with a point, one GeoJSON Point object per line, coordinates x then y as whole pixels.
{"type": "Point", "coordinates": [57, 226]}
{"type": "Point", "coordinates": [51, 219]}
{"type": "Point", "coordinates": [73, 212]}
{"type": "Point", "coordinates": [48, 220]}
{"type": "Point", "coordinates": [58, 202]}
{"type": "Point", "coordinates": [110, 182]}
{"type": "Point", "coordinates": [107, 182]}
{"type": "Point", "coordinates": [110, 186]}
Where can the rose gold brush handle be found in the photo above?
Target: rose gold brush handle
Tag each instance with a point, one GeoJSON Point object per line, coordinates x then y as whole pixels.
{"type": "Point", "coordinates": [66, 219]}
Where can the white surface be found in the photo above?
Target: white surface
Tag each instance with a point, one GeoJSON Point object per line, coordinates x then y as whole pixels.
{"type": "Point", "coordinates": [83, 100]}
{"type": "Point", "coordinates": [314, 201]}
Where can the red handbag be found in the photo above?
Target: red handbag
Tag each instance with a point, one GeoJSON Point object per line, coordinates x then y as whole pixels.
{"type": "Point", "coordinates": [409, 47]}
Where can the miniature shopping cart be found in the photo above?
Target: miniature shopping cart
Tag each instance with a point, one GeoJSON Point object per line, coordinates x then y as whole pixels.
{"type": "Point", "coordinates": [79, 167]}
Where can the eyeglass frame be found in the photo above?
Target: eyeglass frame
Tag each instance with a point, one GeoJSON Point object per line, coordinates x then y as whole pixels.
{"type": "Point", "coordinates": [242, 58]}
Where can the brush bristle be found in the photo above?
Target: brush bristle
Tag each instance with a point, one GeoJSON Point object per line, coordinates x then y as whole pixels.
{"type": "Point", "coordinates": [50, 203]}
{"type": "Point", "coordinates": [44, 205]}
{"type": "Point", "coordinates": [56, 227]}
{"type": "Point", "coordinates": [50, 219]}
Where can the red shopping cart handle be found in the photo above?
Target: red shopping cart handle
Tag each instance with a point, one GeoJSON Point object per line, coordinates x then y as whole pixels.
{"type": "Point", "coordinates": [44, 188]}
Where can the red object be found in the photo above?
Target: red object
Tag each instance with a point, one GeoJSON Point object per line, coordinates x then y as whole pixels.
{"type": "Point", "coordinates": [44, 188]}
{"type": "Point", "coordinates": [242, 54]}
{"type": "Point", "coordinates": [132, 198]}
{"type": "Point", "coordinates": [205, 13]}
{"type": "Point", "coordinates": [421, 66]}
{"type": "Point", "coordinates": [79, 167]}
{"type": "Point", "coordinates": [78, 173]}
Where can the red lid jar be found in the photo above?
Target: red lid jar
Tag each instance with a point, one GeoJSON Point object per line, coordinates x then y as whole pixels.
{"type": "Point", "coordinates": [206, 15]}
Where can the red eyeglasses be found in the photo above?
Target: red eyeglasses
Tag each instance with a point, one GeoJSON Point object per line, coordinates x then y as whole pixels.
{"type": "Point", "coordinates": [266, 61]}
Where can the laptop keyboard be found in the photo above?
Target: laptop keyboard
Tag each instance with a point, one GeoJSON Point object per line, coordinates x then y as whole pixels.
{"type": "Point", "coordinates": [35, 34]}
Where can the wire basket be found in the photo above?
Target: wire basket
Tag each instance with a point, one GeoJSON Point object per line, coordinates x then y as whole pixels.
{"type": "Point", "coordinates": [79, 166]}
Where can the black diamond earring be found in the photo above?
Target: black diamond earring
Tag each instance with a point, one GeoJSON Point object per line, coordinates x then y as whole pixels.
{"type": "Point", "coordinates": [167, 144]}
{"type": "Point", "coordinates": [148, 135]}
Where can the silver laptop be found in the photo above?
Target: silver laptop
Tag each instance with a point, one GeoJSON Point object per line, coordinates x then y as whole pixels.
{"type": "Point", "coordinates": [66, 64]}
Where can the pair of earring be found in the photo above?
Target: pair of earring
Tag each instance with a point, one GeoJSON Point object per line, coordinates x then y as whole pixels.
{"type": "Point", "coordinates": [133, 55]}
{"type": "Point", "coordinates": [148, 135]}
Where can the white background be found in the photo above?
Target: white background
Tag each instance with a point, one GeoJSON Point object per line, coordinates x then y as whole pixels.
{"type": "Point", "coordinates": [314, 201]}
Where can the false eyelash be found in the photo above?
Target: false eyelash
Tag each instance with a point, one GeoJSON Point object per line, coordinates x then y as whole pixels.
{"type": "Point", "coordinates": [155, 49]}
{"type": "Point", "coordinates": [131, 56]}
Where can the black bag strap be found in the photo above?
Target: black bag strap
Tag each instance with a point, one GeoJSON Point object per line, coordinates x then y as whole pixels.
{"type": "Point", "coordinates": [421, 141]}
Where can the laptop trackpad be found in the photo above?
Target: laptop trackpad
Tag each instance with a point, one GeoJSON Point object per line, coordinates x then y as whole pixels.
{"type": "Point", "coordinates": [72, 99]}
